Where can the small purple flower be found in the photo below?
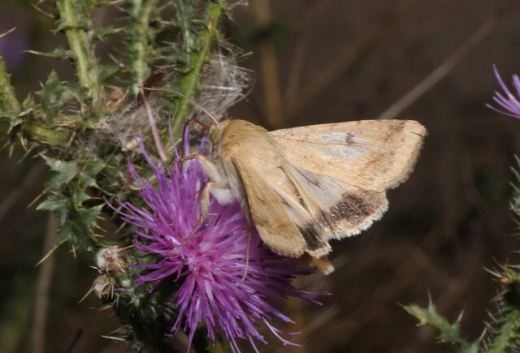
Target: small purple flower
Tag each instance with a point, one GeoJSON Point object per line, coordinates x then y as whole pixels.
{"type": "Point", "coordinates": [508, 102]}
{"type": "Point", "coordinates": [211, 263]}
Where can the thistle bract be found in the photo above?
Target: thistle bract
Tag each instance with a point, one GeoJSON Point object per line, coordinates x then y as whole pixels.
{"type": "Point", "coordinates": [209, 258]}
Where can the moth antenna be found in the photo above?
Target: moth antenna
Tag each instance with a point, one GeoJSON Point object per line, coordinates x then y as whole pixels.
{"type": "Point", "coordinates": [153, 126]}
{"type": "Point", "coordinates": [213, 117]}
{"type": "Point", "coordinates": [205, 126]}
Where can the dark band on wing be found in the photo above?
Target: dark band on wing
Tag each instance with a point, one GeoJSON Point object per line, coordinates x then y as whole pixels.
{"type": "Point", "coordinates": [312, 236]}
{"type": "Point", "coordinates": [354, 208]}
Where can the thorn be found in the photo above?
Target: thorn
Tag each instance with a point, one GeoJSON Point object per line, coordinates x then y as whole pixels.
{"type": "Point", "coordinates": [6, 33]}
{"type": "Point", "coordinates": [45, 257]}
{"type": "Point", "coordinates": [87, 294]}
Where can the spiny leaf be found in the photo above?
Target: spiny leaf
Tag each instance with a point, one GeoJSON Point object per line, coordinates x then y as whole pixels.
{"type": "Point", "coordinates": [55, 94]}
{"type": "Point", "coordinates": [87, 177]}
{"type": "Point", "coordinates": [58, 204]}
{"type": "Point", "coordinates": [65, 172]}
{"type": "Point", "coordinates": [102, 33]}
{"type": "Point", "coordinates": [77, 228]}
{"type": "Point", "coordinates": [449, 333]}
{"type": "Point", "coordinates": [108, 71]}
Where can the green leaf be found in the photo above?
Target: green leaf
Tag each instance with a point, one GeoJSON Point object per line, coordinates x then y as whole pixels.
{"type": "Point", "coordinates": [58, 204]}
{"type": "Point", "coordinates": [78, 228]}
{"type": "Point", "coordinates": [103, 32]}
{"type": "Point", "coordinates": [65, 172]}
{"type": "Point", "coordinates": [55, 94]}
{"type": "Point", "coordinates": [87, 177]}
{"type": "Point", "coordinates": [449, 333]}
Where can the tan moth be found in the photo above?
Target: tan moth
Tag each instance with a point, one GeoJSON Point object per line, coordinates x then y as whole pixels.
{"type": "Point", "coordinates": [304, 186]}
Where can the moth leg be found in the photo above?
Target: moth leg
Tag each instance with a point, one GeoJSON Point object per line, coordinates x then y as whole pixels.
{"type": "Point", "coordinates": [217, 187]}
{"type": "Point", "coordinates": [218, 190]}
{"type": "Point", "coordinates": [250, 225]}
{"type": "Point", "coordinates": [210, 168]}
{"type": "Point", "coordinates": [211, 187]}
{"type": "Point", "coordinates": [323, 264]}
{"type": "Point", "coordinates": [248, 249]}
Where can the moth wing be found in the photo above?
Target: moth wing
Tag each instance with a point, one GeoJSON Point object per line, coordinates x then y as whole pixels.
{"type": "Point", "coordinates": [278, 231]}
{"type": "Point", "coordinates": [344, 209]}
{"type": "Point", "coordinates": [370, 154]}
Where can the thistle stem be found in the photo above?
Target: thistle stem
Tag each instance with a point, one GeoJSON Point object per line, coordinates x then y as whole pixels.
{"type": "Point", "coordinates": [8, 101]}
{"type": "Point", "coordinates": [10, 105]}
{"type": "Point", "coordinates": [507, 334]}
{"type": "Point", "coordinates": [141, 37]}
{"type": "Point", "coordinates": [155, 132]}
{"type": "Point", "coordinates": [81, 47]}
{"type": "Point", "coordinates": [190, 81]}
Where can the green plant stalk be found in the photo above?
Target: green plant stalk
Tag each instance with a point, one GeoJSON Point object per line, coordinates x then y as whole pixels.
{"type": "Point", "coordinates": [8, 101]}
{"type": "Point", "coordinates": [507, 335]}
{"type": "Point", "coordinates": [51, 137]}
{"type": "Point", "coordinates": [141, 38]}
{"type": "Point", "coordinates": [10, 105]}
{"type": "Point", "coordinates": [449, 332]}
{"type": "Point", "coordinates": [17, 310]}
{"type": "Point", "coordinates": [81, 48]}
{"type": "Point", "coordinates": [190, 81]}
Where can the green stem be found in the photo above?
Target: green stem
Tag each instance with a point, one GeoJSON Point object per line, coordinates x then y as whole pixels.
{"type": "Point", "coordinates": [10, 108]}
{"type": "Point", "coordinates": [8, 101]}
{"type": "Point", "coordinates": [141, 37]}
{"type": "Point", "coordinates": [51, 137]}
{"type": "Point", "coordinates": [507, 335]}
{"type": "Point", "coordinates": [17, 307]}
{"type": "Point", "coordinates": [81, 47]}
{"type": "Point", "coordinates": [190, 81]}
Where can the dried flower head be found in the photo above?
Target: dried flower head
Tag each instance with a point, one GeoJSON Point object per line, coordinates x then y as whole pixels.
{"type": "Point", "coordinates": [508, 102]}
{"type": "Point", "coordinates": [104, 286]}
{"type": "Point", "coordinates": [111, 259]}
{"type": "Point", "coordinates": [208, 260]}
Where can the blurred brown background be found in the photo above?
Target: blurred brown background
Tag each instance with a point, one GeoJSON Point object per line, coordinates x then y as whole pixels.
{"type": "Point", "coordinates": [315, 62]}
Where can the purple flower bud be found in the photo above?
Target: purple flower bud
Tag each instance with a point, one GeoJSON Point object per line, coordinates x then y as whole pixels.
{"type": "Point", "coordinates": [209, 260]}
{"type": "Point", "coordinates": [508, 102]}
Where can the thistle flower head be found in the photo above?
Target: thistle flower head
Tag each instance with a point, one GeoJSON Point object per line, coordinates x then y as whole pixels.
{"type": "Point", "coordinates": [508, 102]}
{"type": "Point", "coordinates": [208, 259]}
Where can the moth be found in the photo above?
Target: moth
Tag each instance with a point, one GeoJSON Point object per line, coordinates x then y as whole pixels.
{"type": "Point", "coordinates": [302, 187]}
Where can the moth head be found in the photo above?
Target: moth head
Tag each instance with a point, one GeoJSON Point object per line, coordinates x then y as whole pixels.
{"type": "Point", "coordinates": [214, 134]}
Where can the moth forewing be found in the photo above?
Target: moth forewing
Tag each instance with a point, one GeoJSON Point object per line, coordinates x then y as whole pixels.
{"type": "Point", "coordinates": [274, 225]}
{"type": "Point", "coordinates": [370, 154]}
{"type": "Point", "coordinates": [250, 160]}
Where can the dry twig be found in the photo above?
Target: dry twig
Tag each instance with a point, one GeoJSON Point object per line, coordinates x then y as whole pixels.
{"type": "Point", "coordinates": [43, 288]}
{"type": "Point", "coordinates": [269, 62]}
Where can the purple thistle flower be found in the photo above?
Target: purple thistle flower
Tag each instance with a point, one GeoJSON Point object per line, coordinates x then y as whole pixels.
{"type": "Point", "coordinates": [508, 103]}
{"type": "Point", "coordinates": [211, 263]}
